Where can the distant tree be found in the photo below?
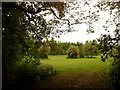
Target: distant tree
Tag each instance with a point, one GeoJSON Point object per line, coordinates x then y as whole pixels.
{"type": "Point", "coordinates": [79, 44]}
{"type": "Point", "coordinates": [87, 47]}
{"type": "Point", "coordinates": [90, 48]}
{"type": "Point", "coordinates": [44, 50]}
{"type": "Point", "coordinates": [65, 46]}
{"type": "Point", "coordinates": [59, 49]}
{"type": "Point", "coordinates": [81, 51]}
{"type": "Point", "coordinates": [53, 45]}
{"type": "Point", "coordinates": [96, 50]}
{"type": "Point", "coordinates": [72, 52]}
{"type": "Point", "coordinates": [56, 47]}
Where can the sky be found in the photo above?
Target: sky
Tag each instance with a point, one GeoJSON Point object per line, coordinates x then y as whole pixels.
{"type": "Point", "coordinates": [81, 35]}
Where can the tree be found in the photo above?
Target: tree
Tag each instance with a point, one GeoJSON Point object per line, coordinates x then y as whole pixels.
{"type": "Point", "coordinates": [87, 49]}
{"type": "Point", "coordinates": [110, 48]}
{"type": "Point", "coordinates": [43, 51]}
{"type": "Point", "coordinates": [59, 49]}
{"type": "Point", "coordinates": [20, 23]}
{"type": "Point", "coordinates": [15, 43]}
{"type": "Point", "coordinates": [72, 52]}
{"type": "Point", "coordinates": [90, 48]}
{"type": "Point", "coordinates": [53, 45]}
{"type": "Point", "coordinates": [56, 47]}
{"type": "Point", "coordinates": [65, 46]}
{"type": "Point", "coordinates": [22, 29]}
{"type": "Point", "coordinates": [81, 51]}
{"type": "Point", "coordinates": [95, 46]}
{"type": "Point", "coordinates": [109, 45]}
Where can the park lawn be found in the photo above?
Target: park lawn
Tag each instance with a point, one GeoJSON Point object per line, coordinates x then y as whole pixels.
{"type": "Point", "coordinates": [65, 65]}
{"type": "Point", "coordinates": [76, 73]}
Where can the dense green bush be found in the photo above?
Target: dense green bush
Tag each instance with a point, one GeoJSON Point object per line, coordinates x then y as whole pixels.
{"type": "Point", "coordinates": [27, 72]}
{"type": "Point", "coordinates": [81, 56]}
{"type": "Point", "coordinates": [115, 74]}
{"type": "Point", "coordinates": [72, 52]}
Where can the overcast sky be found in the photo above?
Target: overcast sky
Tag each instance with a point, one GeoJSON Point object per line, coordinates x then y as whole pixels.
{"type": "Point", "coordinates": [81, 35]}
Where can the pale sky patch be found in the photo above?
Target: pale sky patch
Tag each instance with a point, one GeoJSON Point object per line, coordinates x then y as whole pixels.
{"type": "Point", "coordinates": [81, 35]}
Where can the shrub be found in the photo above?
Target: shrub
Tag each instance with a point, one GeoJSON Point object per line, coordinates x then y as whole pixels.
{"type": "Point", "coordinates": [72, 52]}
{"type": "Point", "coordinates": [115, 74]}
{"type": "Point", "coordinates": [27, 72]}
{"type": "Point", "coordinates": [81, 56]}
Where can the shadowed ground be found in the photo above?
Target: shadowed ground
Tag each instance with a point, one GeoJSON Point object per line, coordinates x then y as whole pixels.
{"type": "Point", "coordinates": [92, 79]}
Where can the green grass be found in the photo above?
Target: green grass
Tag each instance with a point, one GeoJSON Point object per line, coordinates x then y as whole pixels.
{"type": "Point", "coordinates": [67, 65]}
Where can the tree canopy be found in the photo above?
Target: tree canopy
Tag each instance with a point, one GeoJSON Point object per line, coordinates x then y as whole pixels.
{"type": "Point", "coordinates": [90, 48]}
{"type": "Point", "coordinates": [23, 32]}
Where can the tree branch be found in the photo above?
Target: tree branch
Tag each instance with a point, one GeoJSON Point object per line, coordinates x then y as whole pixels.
{"type": "Point", "coordinates": [14, 5]}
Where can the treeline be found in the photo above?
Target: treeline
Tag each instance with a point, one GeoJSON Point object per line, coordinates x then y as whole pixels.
{"type": "Point", "coordinates": [52, 47]}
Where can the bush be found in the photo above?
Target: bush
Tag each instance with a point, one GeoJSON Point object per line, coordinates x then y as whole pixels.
{"type": "Point", "coordinates": [81, 56]}
{"type": "Point", "coordinates": [72, 52]}
{"type": "Point", "coordinates": [26, 73]}
{"type": "Point", "coordinates": [115, 74]}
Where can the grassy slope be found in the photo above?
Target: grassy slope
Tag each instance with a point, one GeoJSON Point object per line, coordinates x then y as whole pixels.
{"type": "Point", "coordinates": [61, 63]}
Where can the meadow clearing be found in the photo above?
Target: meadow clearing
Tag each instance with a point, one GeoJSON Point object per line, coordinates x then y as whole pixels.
{"type": "Point", "coordinates": [76, 73]}
{"type": "Point", "coordinates": [74, 65]}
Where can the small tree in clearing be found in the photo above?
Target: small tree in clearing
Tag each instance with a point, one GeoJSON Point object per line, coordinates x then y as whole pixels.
{"type": "Point", "coordinates": [44, 50]}
{"type": "Point", "coordinates": [72, 52]}
{"type": "Point", "coordinates": [90, 48]}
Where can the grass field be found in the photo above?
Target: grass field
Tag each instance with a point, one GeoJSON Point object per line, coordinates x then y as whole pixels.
{"type": "Point", "coordinates": [63, 64]}
{"type": "Point", "coordinates": [76, 73]}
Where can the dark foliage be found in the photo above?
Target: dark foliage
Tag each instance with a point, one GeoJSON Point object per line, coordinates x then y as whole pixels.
{"type": "Point", "coordinates": [109, 48]}
{"type": "Point", "coordinates": [22, 29]}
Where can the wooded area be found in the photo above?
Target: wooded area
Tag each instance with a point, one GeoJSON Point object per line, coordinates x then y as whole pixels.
{"type": "Point", "coordinates": [25, 33]}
